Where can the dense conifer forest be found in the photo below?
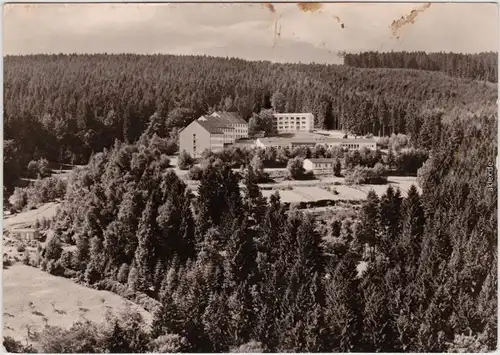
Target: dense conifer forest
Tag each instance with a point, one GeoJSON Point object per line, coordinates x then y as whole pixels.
{"type": "Point", "coordinates": [226, 269]}
{"type": "Point", "coordinates": [65, 107]}
{"type": "Point", "coordinates": [480, 66]}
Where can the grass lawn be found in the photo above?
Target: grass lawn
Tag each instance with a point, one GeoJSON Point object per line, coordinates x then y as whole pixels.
{"type": "Point", "coordinates": [33, 298]}
{"type": "Point", "coordinates": [28, 218]}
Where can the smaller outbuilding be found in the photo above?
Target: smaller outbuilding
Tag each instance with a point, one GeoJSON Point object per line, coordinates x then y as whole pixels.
{"type": "Point", "coordinates": [319, 165]}
{"type": "Point", "coordinates": [25, 234]}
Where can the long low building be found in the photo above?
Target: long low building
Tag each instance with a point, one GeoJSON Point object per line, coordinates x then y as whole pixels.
{"type": "Point", "coordinates": [311, 142]}
{"type": "Point", "coordinates": [319, 165]}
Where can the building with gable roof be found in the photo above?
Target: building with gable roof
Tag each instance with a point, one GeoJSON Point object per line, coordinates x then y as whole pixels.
{"type": "Point", "coordinates": [212, 132]}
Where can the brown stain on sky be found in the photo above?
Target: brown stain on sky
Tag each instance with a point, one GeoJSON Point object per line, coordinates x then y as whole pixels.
{"type": "Point", "coordinates": [309, 6]}
{"type": "Point", "coordinates": [342, 25]}
{"type": "Point", "coordinates": [277, 31]}
{"type": "Point", "coordinates": [304, 7]}
{"type": "Point", "coordinates": [270, 7]}
{"type": "Point", "coordinates": [408, 19]}
{"type": "Point", "coordinates": [314, 7]}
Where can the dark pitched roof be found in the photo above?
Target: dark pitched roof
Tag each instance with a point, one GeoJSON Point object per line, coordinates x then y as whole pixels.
{"type": "Point", "coordinates": [227, 117]}
{"type": "Point", "coordinates": [210, 127]}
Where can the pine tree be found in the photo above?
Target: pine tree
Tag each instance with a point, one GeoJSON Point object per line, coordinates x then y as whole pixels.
{"type": "Point", "coordinates": [187, 242]}
{"type": "Point", "coordinates": [254, 201]}
{"type": "Point", "coordinates": [144, 254]}
{"type": "Point", "coordinates": [412, 227]}
{"type": "Point", "coordinates": [127, 127]}
{"type": "Point", "coordinates": [389, 219]}
{"type": "Point", "coordinates": [242, 317]}
{"type": "Point", "coordinates": [96, 254]}
{"type": "Point", "coordinates": [117, 342]}
{"type": "Point", "coordinates": [216, 323]}
{"type": "Point", "coordinates": [379, 333]}
{"type": "Point", "coordinates": [167, 318]}
{"type": "Point", "coordinates": [240, 261]}
{"type": "Point", "coordinates": [343, 307]}
{"type": "Point", "coordinates": [278, 102]}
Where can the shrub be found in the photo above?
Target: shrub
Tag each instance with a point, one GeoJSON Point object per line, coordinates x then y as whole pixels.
{"type": "Point", "coordinates": [82, 337]}
{"type": "Point", "coordinates": [13, 346]}
{"type": "Point", "coordinates": [132, 279]}
{"type": "Point", "coordinates": [195, 173]}
{"type": "Point", "coordinates": [26, 258]}
{"type": "Point", "coordinates": [362, 175]}
{"type": "Point", "coordinates": [295, 168]}
{"type": "Point", "coordinates": [43, 264]}
{"type": "Point", "coordinates": [398, 141]}
{"type": "Point", "coordinates": [337, 168]}
{"type": "Point", "coordinates": [53, 249]}
{"type": "Point", "coordinates": [164, 162]}
{"type": "Point", "coordinates": [409, 161]}
{"type": "Point", "coordinates": [171, 146]}
{"type": "Point", "coordinates": [383, 142]}
{"type": "Point", "coordinates": [123, 273]}
{"type": "Point", "coordinates": [92, 275]}
{"type": "Point", "coordinates": [21, 248]}
{"type": "Point", "coordinates": [66, 259]}
{"type": "Point", "coordinates": [19, 199]}
{"type": "Point", "coordinates": [60, 188]}
{"type": "Point", "coordinates": [70, 274]}
{"type": "Point", "coordinates": [169, 343]}
{"type": "Point", "coordinates": [54, 268]}
{"type": "Point", "coordinates": [6, 262]}
{"type": "Point", "coordinates": [148, 303]}
{"type": "Point", "coordinates": [185, 161]}
{"type": "Point", "coordinates": [39, 168]}
{"type": "Point", "coordinates": [250, 347]}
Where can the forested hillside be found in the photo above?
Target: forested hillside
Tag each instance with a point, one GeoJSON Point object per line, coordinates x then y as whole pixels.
{"type": "Point", "coordinates": [231, 271]}
{"type": "Point", "coordinates": [480, 66]}
{"type": "Point", "coordinates": [225, 269]}
{"type": "Point", "coordinates": [64, 107]}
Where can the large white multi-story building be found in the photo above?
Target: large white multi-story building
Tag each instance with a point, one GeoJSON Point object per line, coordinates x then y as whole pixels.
{"type": "Point", "coordinates": [293, 122]}
{"type": "Point", "coordinates": [212, 132]}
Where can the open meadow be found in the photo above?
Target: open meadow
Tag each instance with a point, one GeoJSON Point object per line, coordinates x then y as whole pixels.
{"type": "Point", "coordinates": [33, 298]}
{"type": "Point", "coordinates": [28, 218]}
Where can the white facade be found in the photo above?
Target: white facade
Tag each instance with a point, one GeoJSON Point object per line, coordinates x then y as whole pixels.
{"type": "Point", "coordinates": [354, 144]}
{"type": "Point", "coordinates": [293, 122]}
{"type": "Point", "coordinates": [290, 143]}
{"type": "Point", "coordinates": [319, 165]}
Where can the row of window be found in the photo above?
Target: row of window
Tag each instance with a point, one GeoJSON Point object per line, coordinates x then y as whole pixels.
{"type": "Point", "coordinates": [324, 165]}
{"type": "Point", "coordinates": [292, 118]}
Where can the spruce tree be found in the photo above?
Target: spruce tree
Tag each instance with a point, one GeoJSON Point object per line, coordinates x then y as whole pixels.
{"type": "Point", "coordinates": [216, 323]}
{"type": "Point", "coordinates": [389, 219]}
{"type": "Point", "coordinates": [144, 254]}
{"type": "Point", "coordinates": [370, 221]}
{"type": "Point", "coordinates": [413, 221]}
{"type": "Point", "coordinates": [344, 307]}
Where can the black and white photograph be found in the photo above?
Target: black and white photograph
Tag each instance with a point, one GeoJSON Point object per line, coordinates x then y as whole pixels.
{"type": "Point", "coordinates": [250, 177]}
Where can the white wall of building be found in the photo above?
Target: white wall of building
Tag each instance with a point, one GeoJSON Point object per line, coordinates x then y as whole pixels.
{"type": "Point", "coordinates": [293, 122]}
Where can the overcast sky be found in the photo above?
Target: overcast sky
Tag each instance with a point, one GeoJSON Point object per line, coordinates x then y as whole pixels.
{"type": "Point", "coordinates": [278, 32]}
